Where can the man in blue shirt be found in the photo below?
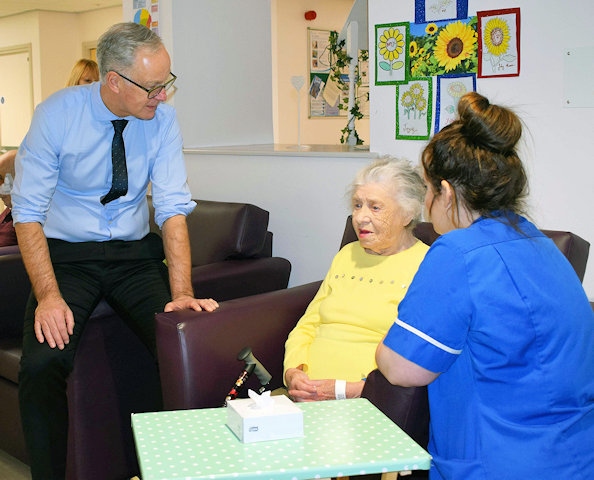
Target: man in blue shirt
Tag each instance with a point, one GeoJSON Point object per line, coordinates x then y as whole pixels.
{"type": "Point", "coordinates": [80, 244]}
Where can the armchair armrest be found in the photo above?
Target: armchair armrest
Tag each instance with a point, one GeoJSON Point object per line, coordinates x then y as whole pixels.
{"type": "Point", "coordinates": [407, 407]}
{"type": "Point", "coordinates": [198, 350]}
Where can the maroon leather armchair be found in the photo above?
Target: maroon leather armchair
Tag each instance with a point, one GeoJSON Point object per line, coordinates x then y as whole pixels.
{"type": "Point", "coordinates": [114, 374]}
{"type": "Point", "coordinates": [197, 351]}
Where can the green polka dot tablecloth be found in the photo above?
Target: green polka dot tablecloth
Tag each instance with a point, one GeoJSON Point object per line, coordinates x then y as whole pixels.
{"type": "Point", "coordinates": [342, 437]}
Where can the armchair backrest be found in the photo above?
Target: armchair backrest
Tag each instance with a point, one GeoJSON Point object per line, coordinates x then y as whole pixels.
{"type": "Point", "coordinates": [224, 230]}
{"type": "Point", "coordinates": [574, 247]}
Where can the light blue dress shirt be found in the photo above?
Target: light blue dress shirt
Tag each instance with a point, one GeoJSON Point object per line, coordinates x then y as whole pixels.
{"type": "Point", "coordinates": [63, 168]}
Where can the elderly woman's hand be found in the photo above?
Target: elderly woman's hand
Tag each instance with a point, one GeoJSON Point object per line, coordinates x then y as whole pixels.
{"type": "Point", "coordinates": [302, 389]}
{"type": "Point", "coordinates": [299, 386]}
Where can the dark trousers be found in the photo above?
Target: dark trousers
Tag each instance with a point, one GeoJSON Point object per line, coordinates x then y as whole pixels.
{"type": "Point", "coordinates": [132, 277]}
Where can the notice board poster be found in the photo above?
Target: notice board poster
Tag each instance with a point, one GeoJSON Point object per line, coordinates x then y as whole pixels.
{"type": "Point", "coordinates": [325, 94]}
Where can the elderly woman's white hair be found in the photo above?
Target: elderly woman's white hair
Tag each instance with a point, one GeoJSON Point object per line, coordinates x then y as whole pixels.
{"type": "Point", "coordinates": [402, 177]}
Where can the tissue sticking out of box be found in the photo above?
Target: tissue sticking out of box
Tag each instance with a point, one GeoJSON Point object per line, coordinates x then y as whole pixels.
{"type": "Point", "coordinates": [260, 401]}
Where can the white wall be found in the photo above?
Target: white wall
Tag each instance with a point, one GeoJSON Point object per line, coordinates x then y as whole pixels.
{"type": "Point", "coordinates": [222, 52]}
{"type": "Point", "coordinates": [559, 141]}
{"type": "Point", "coordinates": [60, 47]}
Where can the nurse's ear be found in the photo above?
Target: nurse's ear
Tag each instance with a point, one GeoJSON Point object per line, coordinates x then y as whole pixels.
{"type": "Point", "coordinates": [448, 194]}
{"type": "Point", "coordinates": [449, 204]}
{"type": "Point", "coordinates": [457, 211]}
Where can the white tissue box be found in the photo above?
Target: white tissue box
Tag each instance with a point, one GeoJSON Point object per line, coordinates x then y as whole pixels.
{"type": "Point", "coordinates": [281, 419]}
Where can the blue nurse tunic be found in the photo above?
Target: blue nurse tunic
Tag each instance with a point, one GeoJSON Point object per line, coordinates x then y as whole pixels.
{"type": "Point", "coordinates": [504, 318]}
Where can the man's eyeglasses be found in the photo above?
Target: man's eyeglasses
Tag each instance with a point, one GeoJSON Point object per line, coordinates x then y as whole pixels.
{"type": "Point", "coordinates": [152, 92]}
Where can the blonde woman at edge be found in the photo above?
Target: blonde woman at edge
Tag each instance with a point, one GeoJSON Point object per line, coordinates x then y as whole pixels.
{"type": "Point", "coordinates": [332, 348]}
{"type": "Point", "coordinates": [85, 71]}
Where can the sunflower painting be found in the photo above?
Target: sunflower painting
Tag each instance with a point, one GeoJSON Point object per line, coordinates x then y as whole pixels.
{"type": "Point", "coordinates": [499, 43]}
{"type": "Point", "coordinates": [414, 113]}
{"type": "Point", "coordinates": [391, 42]}
{"type": "Point", "coordinates": [449, 90]}
{"type": "Point", "coordinates": [439, 48]}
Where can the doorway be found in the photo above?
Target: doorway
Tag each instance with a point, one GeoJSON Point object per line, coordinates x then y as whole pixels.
{"type": "Point", "coordinates": [16, 94]}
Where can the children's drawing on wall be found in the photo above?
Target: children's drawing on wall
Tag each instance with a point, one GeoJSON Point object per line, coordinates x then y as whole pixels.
{"type": "Point", "coordinates": [439, 48]}
{"type": "Point", "coordinates": [391, 40]}
{"type": "Point", "coordinates": [146, 12]}
{"type": "Point", "coordinates": [499, 43]}
{"type": "Point", "coordinates": [414, 109]}
{"type": "Point", "coordinates": [449, 90]}
{"type": "Point", "coordinates": [436, 10]}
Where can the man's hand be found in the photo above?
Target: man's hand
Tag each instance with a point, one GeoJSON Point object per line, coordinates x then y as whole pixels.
{"type": "Point", "coordinates": [54, 322]}
{"type": "Point", "coordinates": [187, 302]}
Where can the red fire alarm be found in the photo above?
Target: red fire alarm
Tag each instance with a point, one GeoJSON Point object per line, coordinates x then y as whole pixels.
{"type": "Point", "coordinates": [310, 15]}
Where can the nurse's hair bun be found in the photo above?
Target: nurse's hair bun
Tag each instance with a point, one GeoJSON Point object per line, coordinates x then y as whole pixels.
{"type": "Point", "coordinates": [488, 126]}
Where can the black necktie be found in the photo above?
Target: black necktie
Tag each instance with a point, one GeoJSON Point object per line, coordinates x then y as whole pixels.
{"type": "Point", "coordinates": [119, 180]}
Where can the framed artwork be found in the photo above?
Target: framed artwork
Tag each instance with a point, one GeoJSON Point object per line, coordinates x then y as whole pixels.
{"type": "Point", "coordinates": [391, 40]}
{"type": "Point", "coordinates": [413, 109]}
{"type": "Point", "coordinates": [449, 90]}
{"type": "Point", "coordinates": [499, 43]}
{"type": "Point", "coordinates": [439, 48]}
{"type": "Point", "coordinates": [436, 10]}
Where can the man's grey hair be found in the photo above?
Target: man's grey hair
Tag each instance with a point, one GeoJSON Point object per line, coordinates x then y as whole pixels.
{"type": "Point", "coordinates": [118, 46]}
{"type": "Point", "coordinates": [404, 180]}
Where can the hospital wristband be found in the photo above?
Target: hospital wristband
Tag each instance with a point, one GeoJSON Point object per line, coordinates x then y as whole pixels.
{"type": "Point", "coordinates": [340, 389]}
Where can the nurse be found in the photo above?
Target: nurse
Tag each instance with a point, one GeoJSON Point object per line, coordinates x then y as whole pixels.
{"type": "Point", "coordinates": [496, 321]}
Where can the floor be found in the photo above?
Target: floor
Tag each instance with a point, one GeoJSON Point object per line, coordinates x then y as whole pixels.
{"type": "Point", "coordinates": [13, 469]}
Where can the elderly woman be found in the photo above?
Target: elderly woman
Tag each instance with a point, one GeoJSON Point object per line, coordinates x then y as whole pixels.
{"type": "Point", "coordinates": [496, 320]}
{"type": "Point", "coordinates": [332, 348]}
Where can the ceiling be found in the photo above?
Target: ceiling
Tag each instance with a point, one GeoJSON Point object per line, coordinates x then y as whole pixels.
{"type": "Point", "coordinates": [13, 7]}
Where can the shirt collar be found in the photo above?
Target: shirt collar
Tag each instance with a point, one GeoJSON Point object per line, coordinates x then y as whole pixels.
{"type": "Point", "coordinates": [100, 110]}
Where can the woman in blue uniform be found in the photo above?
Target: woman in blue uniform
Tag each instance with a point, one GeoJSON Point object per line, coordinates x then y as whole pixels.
{"type": "Point", "coordinates": [496, 321]}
